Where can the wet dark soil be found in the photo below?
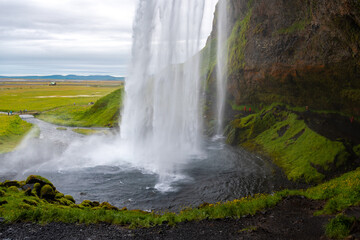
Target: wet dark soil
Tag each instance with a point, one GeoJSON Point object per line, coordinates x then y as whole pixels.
{"type": "Point", "coordinates": [291, 219]}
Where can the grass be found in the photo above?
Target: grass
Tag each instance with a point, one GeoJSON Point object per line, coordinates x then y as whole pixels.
{"type": "Point", "coordinates": [339, 227]}
{"type": "Point", "coordinates": [12, 131]}
{"type": "Point", "coordinates": [298, 150]}
{"type": "Point", "coordinates": [84, 131]}
{"type": "Point", "coordinates": [43, 97]}
{"type": "Point", "coordinates": [104, 113]}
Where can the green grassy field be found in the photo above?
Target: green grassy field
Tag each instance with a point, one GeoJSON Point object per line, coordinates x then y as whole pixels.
{"type": "Point", "coordinates": [104, 113]}
{"type": "Point", "coordinates": [35, 97]}
{"type": "Point", "coordinates": [12, 131]}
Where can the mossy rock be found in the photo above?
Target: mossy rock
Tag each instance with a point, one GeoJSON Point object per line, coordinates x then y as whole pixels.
{"type": "Point", "coordinates": [36, 190]}
{"type": "Point", "coordinates": [13, 189]}
{"type": "Point", "coordinates": [2, 193]}
{"type": "Point", "coordinates": [59, 195]}
{"type": "Point", "coordinates": [47, 192]}
{"type": "Point", "coordinates": [8, 183]}
{"type": "Point", "coordinates": [64, 201]}
{"type": "Point", "coordinates": [38, 179]}
{"type": "Point", "coordinates": [70, 198]}
{"type": "Point", "coordinates": [108, 206]}
{"type": "Point", "coordinates": [90, 204]}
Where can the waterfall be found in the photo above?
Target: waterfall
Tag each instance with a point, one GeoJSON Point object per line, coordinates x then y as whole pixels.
{"type": "Point", "coordinates": [221, 67]}
{"type": "Point", "coordinates": [161, 123]}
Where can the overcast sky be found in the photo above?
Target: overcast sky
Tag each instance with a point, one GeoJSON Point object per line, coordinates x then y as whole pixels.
{"type": "Point", "coordinates": [41, 37]}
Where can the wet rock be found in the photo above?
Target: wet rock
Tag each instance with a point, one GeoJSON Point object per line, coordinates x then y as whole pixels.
{"type": "Point", "coordinates": [27, 186]}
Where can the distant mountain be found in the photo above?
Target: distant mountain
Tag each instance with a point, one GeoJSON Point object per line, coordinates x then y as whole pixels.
{"type": "Point", "coordinates": [67, 77]}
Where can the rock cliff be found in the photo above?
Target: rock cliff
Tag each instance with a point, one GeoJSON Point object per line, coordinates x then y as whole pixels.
{"type": "Point", "coordinates": [298, 52]}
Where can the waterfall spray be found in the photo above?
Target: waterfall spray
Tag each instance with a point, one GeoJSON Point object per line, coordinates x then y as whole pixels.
{"type": "Point", "coordinates": [221, 67]}
{"type": "Point", "coordinates": [161, 122]}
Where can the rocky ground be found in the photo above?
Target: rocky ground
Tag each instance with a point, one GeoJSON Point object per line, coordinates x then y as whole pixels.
{"type": "Point", "coordinates": [291, 219]}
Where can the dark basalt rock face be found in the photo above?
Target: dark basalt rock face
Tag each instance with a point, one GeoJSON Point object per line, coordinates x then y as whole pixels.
{"type": "Point", "coordinates": [304, 53]}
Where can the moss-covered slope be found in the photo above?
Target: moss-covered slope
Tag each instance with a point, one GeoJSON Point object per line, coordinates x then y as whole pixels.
{"type": "Point", "coordinates": [285, 136]}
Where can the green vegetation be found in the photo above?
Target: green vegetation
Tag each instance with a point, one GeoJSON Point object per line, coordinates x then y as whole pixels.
{"type": "Point", "coordinates": [42, 97]}
{"type": "Point", "coordinates": [12, 131]}
{"type": "Point", "coordinates": [84, 131]}
{"type": "Point", "coordinates": [299, 151]}
{"type": "Point", "coordinates": [61, 128]}
{"type": "Point", "coordinates": [104, 113]}
{"type": "Point", "coordinates": [237, 43]}
{"type": "Point", "coordinates": [295, 27]}
{"type": "Point", "coordinates": [339, 227]}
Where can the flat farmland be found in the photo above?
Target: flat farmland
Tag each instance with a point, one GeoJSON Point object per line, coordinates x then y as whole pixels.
{"type": "Point", "coordinates": [39, 96]}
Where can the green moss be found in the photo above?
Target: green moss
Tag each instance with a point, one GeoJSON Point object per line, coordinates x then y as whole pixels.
{"type": "Point", "coordinates": [47, 192]}
{"type": "Point", "coordinates": [237, 43]}
{"type": "Point", "coordinates": [13, 189]}
{"type": "Point", "coordinates": [59, 195]}
{"type": "Point", "coordinates": [339, 227]}
{"type": "Point", "coordinates": [2, 193]}
{"type": "Point", "coordinates": [357, 150]}
{"type": "Point", "coordinates": [293, 146]}
{"type": "Point", "coordinates": [70, 198]}
{"type": "Point", "coordinates": [61, 128]}
{"type": "Point", "coordinates": [108, 206]}
{"type": "Point", "coordinates": [39, 179]}
{"type": "Point", "coordinates": [8, 183]}
{"type": "Point", "coordinates": [295, 27]}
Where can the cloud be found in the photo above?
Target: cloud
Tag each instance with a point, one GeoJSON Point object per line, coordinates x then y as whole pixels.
{"type": "Point", "coordinates": [87, 36]}
{"type": "Point", "coordinates": [80, 32]}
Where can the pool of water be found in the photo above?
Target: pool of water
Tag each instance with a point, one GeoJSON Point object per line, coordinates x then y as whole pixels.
{"type": "Point", "coordinates": [90, 167]}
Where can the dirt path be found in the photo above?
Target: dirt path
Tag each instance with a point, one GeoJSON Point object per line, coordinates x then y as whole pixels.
{"type": "Point", "coordinates": [291, 219]}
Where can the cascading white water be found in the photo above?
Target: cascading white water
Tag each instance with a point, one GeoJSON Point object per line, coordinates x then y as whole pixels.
{"type": "Point", "coordinates": [161, 123]}
{"type": "Point", "coordinates": [221, 67]}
